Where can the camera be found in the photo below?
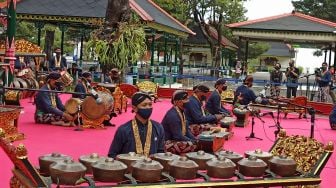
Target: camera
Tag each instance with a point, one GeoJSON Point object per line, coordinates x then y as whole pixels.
{"type": "Point", "coordinates": [318, 72]}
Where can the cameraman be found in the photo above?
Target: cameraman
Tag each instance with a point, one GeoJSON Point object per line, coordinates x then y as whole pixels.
{"type": "Point", "coordinates": [323, 78]}
{"type": "Point", "coordinates": [276, 78]}
{"type": "Point", "coordinates": [292, 74]}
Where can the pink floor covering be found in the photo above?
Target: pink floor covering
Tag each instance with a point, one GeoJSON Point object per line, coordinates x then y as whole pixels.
{"type": "Point", "coordinates": [44, 139]}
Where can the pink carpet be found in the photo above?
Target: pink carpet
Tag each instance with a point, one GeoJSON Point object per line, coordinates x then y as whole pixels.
{"type": "Point", "coordinates": [44, 139]}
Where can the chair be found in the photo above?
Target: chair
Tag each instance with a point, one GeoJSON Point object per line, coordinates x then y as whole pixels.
{"type": "Point", "coordinates": [128, 89]}
{"type": "Point", "coordinates": [120, 100]}
{"type": "Point", "coordinates": [149, 87]}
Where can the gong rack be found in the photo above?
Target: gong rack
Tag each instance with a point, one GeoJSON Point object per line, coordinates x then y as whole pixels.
{"type": "Point", "coordinates": [25, 174]}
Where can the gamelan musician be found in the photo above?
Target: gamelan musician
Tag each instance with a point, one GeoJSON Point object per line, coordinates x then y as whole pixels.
{"type": "Point", "coordinates": [83, 85]}
{"type": "Point", "coordinates": [49, 107]}
{"type": "Point", "coordinates": [195, 114]}
{"type": "Point", "coordinates": [58, 62]}
{"type": "Point", "coordinates": [244, 95]}
{"type": "Point", "coordinates": [213, 104]}
{"type": "Point", "coordinates": [332, 118]}
{"type": "Point", "coordinates": [179, 138]}
{"type": "Point", "coordinates": [141, 134]}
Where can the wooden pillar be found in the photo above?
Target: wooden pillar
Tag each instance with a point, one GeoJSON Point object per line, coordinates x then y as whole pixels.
{"type": "Point", "coordinates": [325, 55]}
{"type": "Point", "coordinates": [330, 49]}
{"type": "Point", "coordinates": [152, 56]}
{"type": "Point", "coordinates": [165, 56]}
{"type": "Point", "coordinates": [246, 56]}
{"type": "Point", "coordinates": [81, 49]}
{"type": "Point", "coordinates": [63, 29]}
{"type": "Point", "coordinates": [335, 59]}
{"type": "Point", "coordinates": [239, 52]}
{"type": "Point", "coordinates": [39, 26]}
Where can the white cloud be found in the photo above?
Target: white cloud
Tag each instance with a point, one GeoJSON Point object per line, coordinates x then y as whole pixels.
{"type": "Point", "coordinates": [264, 8]}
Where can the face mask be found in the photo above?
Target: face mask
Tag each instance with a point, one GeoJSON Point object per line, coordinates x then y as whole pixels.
{"type": "Point", "coordinates": [203, 98]}
{"type": "Point", "coordinates": [324, 68]}
{"type": "Point", "coordinates": [89, 80]}
{"type": "Point", "coordinates": [291, 65]}
{"type": "Point", "coordinates": [277, 68]}
{"type": "Point", "coordinates": [59, 86]}
{"type": "Point", "coordinates": [145, 112]}
{"type": "Point", "coordinates": [224, 88]}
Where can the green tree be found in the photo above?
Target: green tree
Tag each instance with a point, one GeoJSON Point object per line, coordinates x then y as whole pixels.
{"type": "Point", "coordinates": [324, 9]}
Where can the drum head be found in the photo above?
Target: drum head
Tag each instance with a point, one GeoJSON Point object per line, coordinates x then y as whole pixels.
{"type": "Point", "coordinates": [91, 109]}
{"type": "Point", "coordinates": [71, 106]}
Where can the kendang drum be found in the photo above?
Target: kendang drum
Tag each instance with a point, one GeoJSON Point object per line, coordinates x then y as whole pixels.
{"type": "Point", "coordinates": [242, 117]}
{"type": "Point", "coordinates": [95, 111]}
{"type": "Point", "coordinates": [72, 105]}
{"type": "Point", "coordinates": [66, 78]}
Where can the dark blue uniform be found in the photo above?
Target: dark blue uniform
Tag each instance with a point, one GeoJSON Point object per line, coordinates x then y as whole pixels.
{"type": "Point", "coordinates": [247, 94]}
{"type": "Point", "coordinates": [332, 118]}
{"type": "Point", "coordinates": [194, 114]}
{"type": "Point", "coordinates": [44, 105]}
{"type": "Point", "coordinates": [80, 88]}
{"type": "Point", "coordinates": [52, 63]}
{"type": "Point", "coordinates": [173, 127]}
{"type": "Point", "coordinates": [214, 105]}
{"type": "Point", "coordinates": [124, 142]}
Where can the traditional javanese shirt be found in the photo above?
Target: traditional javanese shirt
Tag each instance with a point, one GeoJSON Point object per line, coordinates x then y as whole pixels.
{"type": "Point", "coordinates": [214, 105]}
{"type": "Point", "coordinates": [124, 140]}
{"type": "Point", "coordinates": [195, 113]}
{"type": "Point", "coordinates": [173, 126]}
{"type": "Point", "coordinates": [49, 103]}
{"type": "Point", "coordinates": [248, 96]}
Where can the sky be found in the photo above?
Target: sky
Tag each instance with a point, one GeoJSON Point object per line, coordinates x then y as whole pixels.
{"type": "Point", "coordinates": [264, 8]}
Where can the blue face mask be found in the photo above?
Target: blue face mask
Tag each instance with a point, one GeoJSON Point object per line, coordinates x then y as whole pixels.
{"type": "Point", "coordinates": [145, 112]}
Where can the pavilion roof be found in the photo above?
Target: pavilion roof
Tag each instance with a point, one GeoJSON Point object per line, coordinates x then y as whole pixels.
{"type": "Point", "coordinates": [200, 39]}
{"type": "Point", "coordinates": [293, 26]}
{"type": "Point", "coordinates": [279, 49]}
{"type": "Point", "coordinates": [294, 21]}
{"type": "Point", "coordinates": [77, 10]}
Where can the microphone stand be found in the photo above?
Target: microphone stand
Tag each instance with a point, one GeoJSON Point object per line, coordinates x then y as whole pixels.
{"type": "Point", "coordinates": [79, 126]}
{"type": "Point", "coordinates": [252, 134]}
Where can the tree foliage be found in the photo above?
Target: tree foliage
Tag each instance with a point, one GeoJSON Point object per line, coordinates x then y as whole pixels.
{"type": "Point", "coordinates": [324, 9]}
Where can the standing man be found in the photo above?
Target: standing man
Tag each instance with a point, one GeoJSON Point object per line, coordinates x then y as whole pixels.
{"type": "Point", "coordinates": [58, 62]}
{"type": "Point", "coordinates": [49, 107]}
{"type": "Point", "coordinates": [323, 79]}
{"type": "Point", "coordinates": [214, 104]}
{"type": "Point", "coordinates": [178, 136]}
{"type": "Point", "coordinates": [276, 79]}
{"type": "Point", "coordinates": [292, 74]}
{"type": "Point", "coordinates": [141, 135]}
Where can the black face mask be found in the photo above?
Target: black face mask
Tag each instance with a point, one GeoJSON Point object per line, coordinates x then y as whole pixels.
{"type": "Point", "coordinates": [145, 112]}
{"type": "Point", "coordinates": [224, 88]}
{"type": "Point", "coordinates": [324, 68]}
{"type": "Point", "coordinates": [185, 104]}
{"type": "Point", "coordinates": [59, 86]}
{"type": "Point", "coordinates": [203, 98]}
{"type": "Point", "coordinates": [277, 68]}
{"type": "Point", "coordinates": [291, 65]}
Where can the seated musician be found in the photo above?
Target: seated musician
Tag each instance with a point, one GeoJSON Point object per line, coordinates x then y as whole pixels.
{"type": "Point", "coordinates": [195, 113]}
{"type": "Point", "coordinates": [49, 107]}
{"type": "Point", "coordinates": [244, 95]}
{"type": "Point", "coordinates": [214, 105]}
{"type": "Point", "coordinates": [83, 85]}
{"type": "Point", "coordinates": [177, 132]}
{"type": "Point", "coordinates": [332, 118]}
{"type": "Point", "coordinates": [141, 134]}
